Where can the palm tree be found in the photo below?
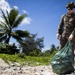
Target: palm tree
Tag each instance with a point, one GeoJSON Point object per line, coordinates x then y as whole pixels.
{"type": "Point", "coordinates": [10, 21]}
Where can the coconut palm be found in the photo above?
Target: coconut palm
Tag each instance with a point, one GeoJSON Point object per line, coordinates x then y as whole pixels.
{"type": "Point", "coordinates": [10, 21]}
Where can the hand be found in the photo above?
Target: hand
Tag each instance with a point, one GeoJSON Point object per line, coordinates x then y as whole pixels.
{"type": "Point", "coordinates": [70, 37]}
{"type": "Point", "coordinates": [58, 36]}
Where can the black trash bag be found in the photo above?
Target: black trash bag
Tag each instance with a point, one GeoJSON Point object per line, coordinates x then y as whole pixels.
{"type": "Point", "coordinates": [62, 61]}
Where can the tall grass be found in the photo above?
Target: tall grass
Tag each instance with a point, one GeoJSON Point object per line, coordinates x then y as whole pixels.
{"type": "Point", "coordinates": [26, 60]}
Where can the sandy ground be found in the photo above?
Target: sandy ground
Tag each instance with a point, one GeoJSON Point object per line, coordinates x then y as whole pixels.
{"type": "Point", "coordinates": [5, 69]}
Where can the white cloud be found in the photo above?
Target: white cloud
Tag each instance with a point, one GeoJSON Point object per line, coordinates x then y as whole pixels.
{"type": "Point", "coordinates": [27, 20]}
{"type": "Point", "coordinates": [26, 12]}
{"type": "Point", "coordinates": [4, 5]}
{"type": "Point", "coordinates": [16, 7]}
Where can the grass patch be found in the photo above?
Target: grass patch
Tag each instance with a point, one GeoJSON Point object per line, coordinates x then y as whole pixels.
{"type": "Point", "coordinates": [26, 60]}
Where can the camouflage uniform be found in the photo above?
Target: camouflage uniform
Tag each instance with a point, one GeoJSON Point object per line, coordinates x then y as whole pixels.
{"type": "Point", "coordinates": [66, 28]}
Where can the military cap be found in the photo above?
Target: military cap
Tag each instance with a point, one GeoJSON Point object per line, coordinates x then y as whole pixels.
{"type": "Point", "coordinates": [70, 5]}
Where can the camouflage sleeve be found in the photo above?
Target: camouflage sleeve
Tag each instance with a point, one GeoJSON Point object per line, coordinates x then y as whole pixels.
{"type": "Point", "coordinates": [73, 32]}
{"type": "Point", "coordinates": [60, 27]}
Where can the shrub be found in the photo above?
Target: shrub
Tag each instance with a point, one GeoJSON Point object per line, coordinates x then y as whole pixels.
{"type": "Point", "coordinates": [21, 55]}
{"type": "Point", "coordinates": [8, 49]}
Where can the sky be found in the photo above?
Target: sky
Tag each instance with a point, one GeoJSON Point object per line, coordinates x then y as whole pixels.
{"type": "Point", "coordinates": [43, 17]}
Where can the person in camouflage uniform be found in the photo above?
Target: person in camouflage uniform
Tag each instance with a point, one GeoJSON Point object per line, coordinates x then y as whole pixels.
{"type": "Point", "coordinates": [66, 29]}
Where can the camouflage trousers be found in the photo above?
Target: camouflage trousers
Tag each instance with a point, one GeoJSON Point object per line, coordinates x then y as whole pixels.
{"type": "Point", "coordinates": [63, 41]}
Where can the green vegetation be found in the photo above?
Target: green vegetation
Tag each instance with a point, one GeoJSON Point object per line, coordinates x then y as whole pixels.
{"type": "Point", "coordinates": [33, 45]}
{"type": "Point", "coordinates": [29, 44]}
{"type": "Point", "coordinates": [8, 48]}
{"type": "Point", "coordinates": [26, 60]}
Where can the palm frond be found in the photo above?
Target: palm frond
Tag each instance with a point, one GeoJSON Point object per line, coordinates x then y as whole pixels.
{"type": "Point", "coordinates": [1, 33]}
{"type": "Point", "coordinates": [16, 36]}
{"type": "Point", "coordinates": [22, 43]}
{"type": "Point", "coordinates": [4, 17]}
{"type": "Point", "coordinates": [3, 25]}
{"type": "Point", "coordinates": [22, 33]}
{"type": "Point", "coordinates": [12, 16]}
{"type": "Point", "coordinates": [3, 38]}
{"type": "Point", "coordinates": [18, 20]}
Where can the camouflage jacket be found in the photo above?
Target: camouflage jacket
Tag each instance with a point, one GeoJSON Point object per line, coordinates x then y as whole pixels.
{"type": "Point", "coordinates": [67, 24]}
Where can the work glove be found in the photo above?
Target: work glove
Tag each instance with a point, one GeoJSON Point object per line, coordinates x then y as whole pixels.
{"type": "Point", "coordinates": [58, 36]}
{"type": "Point", "coordinates": [70, 37]}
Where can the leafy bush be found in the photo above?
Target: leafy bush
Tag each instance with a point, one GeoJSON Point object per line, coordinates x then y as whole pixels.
{"type": "Point", "coordinates": [21, 55]}
{"type": "Point", "coordinates": [34, 53]}
{"type": "Point", "coordinates": [8, 49]}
